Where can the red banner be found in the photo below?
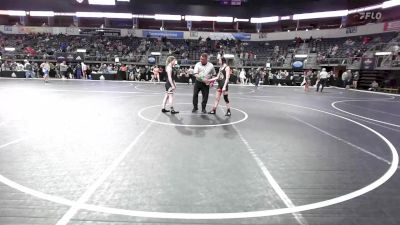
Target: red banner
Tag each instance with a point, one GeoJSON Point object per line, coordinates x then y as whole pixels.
{"type": "Point", "coordinates": [392, 26]}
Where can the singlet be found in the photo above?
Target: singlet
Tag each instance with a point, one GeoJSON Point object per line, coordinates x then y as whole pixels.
{"type": "Point", "coordinates": [222, 74]}
{"type": "Point", "coordinates": [173, 74]}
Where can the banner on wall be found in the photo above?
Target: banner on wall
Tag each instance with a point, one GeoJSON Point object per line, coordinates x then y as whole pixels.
{"type": "Point", "coordinates": [72, 31]}
{"type": "Point", "coordinates": [8, 29]}
{"type": "Point", "coordinates": [167, 34]}
{"type": "Point", "coordinates": [236, 36]}
{"type": "Point", "coordinates": [242, 36]}
{"type": "Point", "coordinates": [32, 30]}
{"type": "Point", "coordinates": [364, 17]}
{"type": "Point", "coordinates": [367, 63]}
{"type": "Point", "coordinates": [130, 32]}
{"type": "Point", "coordinates": [70, 57]}
{"type": "Point", "coordinates": [351, 30]}
{"type": "Point", "coordinates": [262, 35]}
{"type": "Point", "coordinates": [194, 34]}
{"type": "Point", "coordinates": [392, 26]}
{"type": "Point", "coordinates": [25, 30]}
{"type": "Point", "coordinates": [100, 31]}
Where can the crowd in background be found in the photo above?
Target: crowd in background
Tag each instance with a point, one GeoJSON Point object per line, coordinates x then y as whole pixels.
{"type": "Point", "coordinates": [31, 50]}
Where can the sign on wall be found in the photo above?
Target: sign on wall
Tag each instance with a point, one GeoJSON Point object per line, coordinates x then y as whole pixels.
{"type": "Point", "coordinates": [242, 36]}
{"type": "Point", "coordinates": [8, 29]}
{"type": "Point", "coordinates": [167, 34]}
{"type": "Point", "coordinates": [236, 36]}
{"type": "Point", "coordinates": [392, 26]}
{"type": "Point", "coordinates": [367, 63]}
{"type": "Point", "coordinates": [100, 31]}
{"type": "Point", "coordinates": [70, 57]}
{"type": "Point", "coordinates": [194, 34]}
{"type": "Point", "coordinates": [364, 17]}
{"type": "Point", "coordinates": [262, 35]}
{"type": "Point", "coordinates": [351, 30]}
{"type": "Point", "coordinates": [32, 30]}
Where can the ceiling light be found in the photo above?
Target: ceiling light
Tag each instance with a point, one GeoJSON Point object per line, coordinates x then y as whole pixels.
{"type": "Point", "coordinates": [12, 12]}
{"type": "Point", "coordinates": [389, 4]}
{"type": "Point", "coordinates": [383, 53]}
{"type": "Point", "coordinates": [167, 17]}
{"type": "Point", "coordinates": [270, 19]}
{"type": "Point", "coordinates": [104, 15]}
{"type": "Point", "coordinates": [316, 15]}
{"type": "Point", "coordinates": [41, 13]}
{"type": "Point", "coordinates": [209, 18]}
{"type": "Point", "coordinates": [241, 20]}
{"type": "Point", "coordinates": [300, 56]}
{"type": "Point", "coordinates": [9, 49]}
{"type": "Point", "coordinates": [101, 2]}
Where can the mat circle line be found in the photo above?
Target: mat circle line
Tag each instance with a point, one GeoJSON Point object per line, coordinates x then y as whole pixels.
{"type": "Point", "coordinates": [234, 215]}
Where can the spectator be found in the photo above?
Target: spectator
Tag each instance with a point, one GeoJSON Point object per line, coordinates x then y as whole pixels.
{"type": "Point", "coordinates": [28, 70]}
{"type": "Point", "coordinates": [355, 79]}
{"type": "Point", "coordinates": [374, 86]}
{"type": "Point", "coordinates": [78, 71]}
{"type": "Point", "coordinates": [63, 70]}
{"type": "Point", "coordinates": [242, 77]}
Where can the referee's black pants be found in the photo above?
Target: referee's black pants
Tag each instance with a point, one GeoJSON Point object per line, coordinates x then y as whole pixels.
{"type": "Point", "coordinates": [205, 89]}
{"type": "Point", "coordinates": [322, 82]}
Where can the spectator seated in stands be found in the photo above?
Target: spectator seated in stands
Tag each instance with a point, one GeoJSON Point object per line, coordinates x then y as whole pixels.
{"type": "Point", "coordinates": [374, 86]}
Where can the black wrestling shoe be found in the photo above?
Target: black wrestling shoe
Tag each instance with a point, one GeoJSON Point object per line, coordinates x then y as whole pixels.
{"type": "Point", "coordinates": [194, 110]}
{"type": "Point", "coordinates": [212, 112]}
{"type": "Point", "coordinates": [174, 112]}
{"type": "Point", "coordinates": [164, 110]}
{"type": "Point", "coordinates": [228, 112]}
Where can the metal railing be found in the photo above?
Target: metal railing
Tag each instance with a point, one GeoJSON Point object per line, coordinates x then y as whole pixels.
{"type": "Point", "coordinates": [354, 63]}
{"type": "Point", "coordinates": [387, 62]}
{"type": "Point", "coordinates": [42, 57]}
{"type": "Point", "coordinates": [333, 61]}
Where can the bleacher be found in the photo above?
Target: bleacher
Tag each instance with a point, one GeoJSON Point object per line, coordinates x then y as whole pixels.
{"type": "Point", "coordinates": [135, 50]}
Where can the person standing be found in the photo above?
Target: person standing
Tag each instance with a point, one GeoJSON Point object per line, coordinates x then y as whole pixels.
{"type": "Point", "coordinates": [222, 79]}
{"type": "Point", "coordinates": [84, 68]}
{"type": "Point", "coordinates": [156, 74]}
{"type": "Point", "coordinates": [190, 74]}
{"type": "Point", "coordinates": [170, 85]}
{"type": "Point", "coordinates": [323, 75]}
{"type": "Point", "coordinates": [78, 71]}
{"type": "Point", "coordinates": [346, 77]}
{"type": "Point", "coordinates": [258, 75]}
{"type": "Point", "coordinates": [46, 70]}
{"type": "Point", "coordinates": [203, 71]}
{"type": "Point", "coordinates": [242, 76]}
{"type": "Point", "coordinates": [355, 79]}
{"type": "Point", "coordinates": [28, 70]}
{"type": "Point", "coordinates": [63, 70]}
{"type": "Point", "coordinates": [123, 72]}
{"type": "Point", "coordinates": [306, 81]}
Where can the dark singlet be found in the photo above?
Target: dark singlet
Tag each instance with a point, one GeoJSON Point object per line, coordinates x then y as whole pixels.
{"type": "Point", "coordinates": [168, 85]}
{"type": "Point", "coordinates": [221, 78]}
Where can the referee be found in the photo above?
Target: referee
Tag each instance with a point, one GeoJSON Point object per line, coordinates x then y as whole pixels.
{"type": "Point", "coordinates": [203, 71]}
{"type": "Point", "coordinates": [323, 75]}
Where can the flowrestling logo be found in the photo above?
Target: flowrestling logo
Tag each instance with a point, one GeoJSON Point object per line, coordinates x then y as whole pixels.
{"type": "Point", "coordinates": [370, 15]}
